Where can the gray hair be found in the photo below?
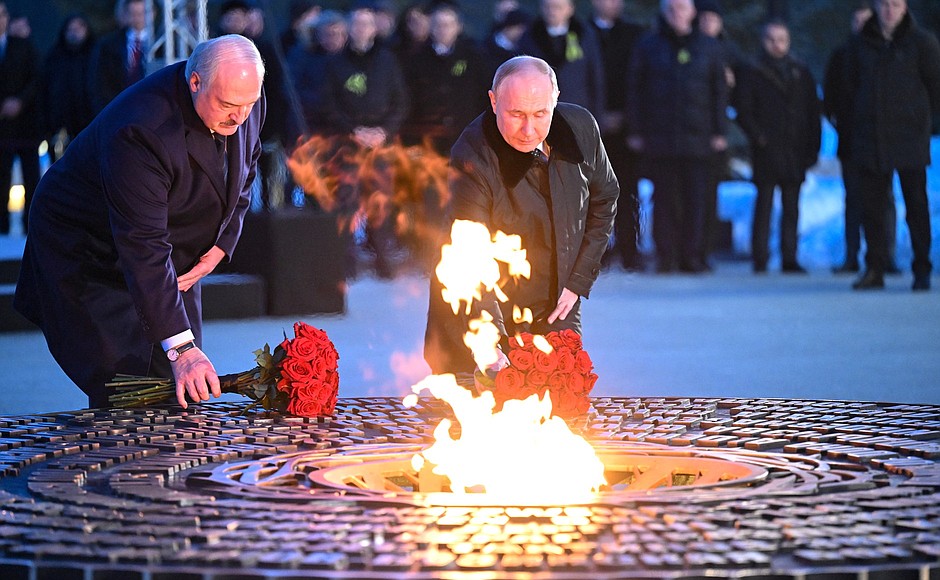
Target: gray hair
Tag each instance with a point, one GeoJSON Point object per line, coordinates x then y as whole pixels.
{"type": "Point", "coordinates": [208, 55]}
{"type": "Point", "coordinates": [521, 63]}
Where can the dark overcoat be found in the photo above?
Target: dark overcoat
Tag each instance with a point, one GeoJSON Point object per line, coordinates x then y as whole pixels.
{"type": "Point", "coordinates": [677, 94]}
{"type": "Point", "coordinates": [896, 88]}
{"type": "Point", "coordinates": [779, 110]}
{"type": "Point", "coordinates": [19, 78]}
{"type": "Point", "coordinates": [135, 201]}
{"type": "Point", "coordinates": [564, 236]}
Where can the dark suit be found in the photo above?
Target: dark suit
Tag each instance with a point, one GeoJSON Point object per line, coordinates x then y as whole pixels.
{"type": "Point", "coordinates": [135, 201]}
{"type": "Point", "coordinates": [109, 72]}
{"type": "Point", "coordinates": [20, 135]}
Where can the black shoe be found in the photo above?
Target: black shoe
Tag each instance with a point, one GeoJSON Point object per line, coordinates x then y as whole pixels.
{"type": "Point", "coordinates": [846, 268]}
{"type": "Point", "coordinates": [921, 283]}
{"type": "Point", "coordinates": [792, 268]}
{"type": "Point", "coordinates": [870, 280]}
{"type": "Point", "coordinates": [892, 269]}
{"type": "Point", "coordinates": [760, 268]}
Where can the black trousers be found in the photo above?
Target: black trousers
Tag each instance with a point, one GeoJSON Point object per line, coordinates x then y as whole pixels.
{"type": "Point", "coordinates": [680, 185]}
{"type": "Point", "coordinates": [627, 222]}
{"type": "Point", "coordinates": [789, 221]}
{"type": "Point", "coordinates": [852, 181]}
{"type": "Point", "coordinates": [876, 196]}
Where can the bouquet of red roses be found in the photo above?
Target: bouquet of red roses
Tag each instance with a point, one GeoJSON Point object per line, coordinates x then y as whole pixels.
{"type": "Point", "coordinates": [300, 377]}
{"type": "Point", "coordinates": [556, 363]}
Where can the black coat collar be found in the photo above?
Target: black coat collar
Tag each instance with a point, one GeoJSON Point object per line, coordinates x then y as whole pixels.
{"type": "Point", "coordinates": [514, 164]}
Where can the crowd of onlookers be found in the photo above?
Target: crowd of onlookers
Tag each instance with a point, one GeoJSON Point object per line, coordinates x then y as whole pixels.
{"type": "Point", "coordinates": [375, 76]}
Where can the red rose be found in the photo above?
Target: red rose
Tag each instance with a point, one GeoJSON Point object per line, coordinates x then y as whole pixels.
{"type": "Point", "coordinates": [554, 338]}
{"type": "Point", "coordinates": [576, 383]}
{"type": "Point", "coordinates": [566, 361]}
{"type": "Point", "coordinates": [521, 359]}
{"type": "Point", "coordinates": [522, 340]}
{"type": "Point", "coordinates": [567, 404]}
{"type": "Point", "coordinates": [546, 362]}
{"type": "Point", "coordinates": [536, 378]}
{"type": "Point", "coordinates": [589, 381]}
{"type": "Point", "coordinates": [583, 362]}
{"type": "Point", "coordinates": [509, 379]}
{"type": "Point", "coordinates": [312, 399]}
{"type": "Point", "coordinates": [557, 382]}
{"type": "Point", "coordinates": [571, 339]}
{"type": "Point", "coordinates": [296, 369]}
{"type": "Point", "coordinates": [301, 347]}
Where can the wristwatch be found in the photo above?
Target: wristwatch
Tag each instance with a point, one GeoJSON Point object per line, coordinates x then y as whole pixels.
{"type": "Point", "coordinates": [174, 353]}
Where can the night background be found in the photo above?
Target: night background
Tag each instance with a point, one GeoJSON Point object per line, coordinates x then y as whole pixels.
{"type": "Point", "coordinates": [817, 26]}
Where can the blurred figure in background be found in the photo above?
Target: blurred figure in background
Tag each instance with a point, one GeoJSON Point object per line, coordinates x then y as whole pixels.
{"type": "Point", "coordinates": [65, 95]}
{"type": "Point", "coordinates": [412, 33]}
{"type": "Point", "coordinates": [502, 43]}
{"type": "Point", "coordinates": [894, 78]}
{"type": "Point", "coordinates": [780, 113]}
{"type": "Point", "coordinates": [677, 96]}
{"type": "Point", "coordinates": [120, 58]}
{"type": "Point", "coordinates": [365, 102]}
{"type": "Point", "coordinates": [20, 131]}
{"type": "Point", "coordinates": [617, 38]}
{"type": "Point", "coordinates": [303, 16]}
{"type": "Point", "coordinates": [386, 21]}
{"type": "Point", "coordinates": [307, 66]}
{"type": "Point", "coordinates": [837, 105]}
{"type": "Point", "coordinates": [560, 38]}
{"type": "Point", "coordinates": [447, 82]}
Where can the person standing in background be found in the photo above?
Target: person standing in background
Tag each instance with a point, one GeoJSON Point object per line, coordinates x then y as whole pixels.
{"type": "Point", "coordinates": [20, 131]}
{"type": "Point", "coordinates": [780, 113]}
{"type": "Point", "coordinates": [120, 58]}
{"type": "Point", "coordinates": [893, 72]}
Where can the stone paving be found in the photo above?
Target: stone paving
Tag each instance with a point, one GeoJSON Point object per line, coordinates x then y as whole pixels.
{"type": "Point", "coordinates": [779, 489]}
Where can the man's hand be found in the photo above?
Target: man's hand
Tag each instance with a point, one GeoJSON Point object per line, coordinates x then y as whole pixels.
{"type": "Point", "coordinates": [565, 303]}
{"type": "Point", "coordinates": [502, 361]}
{"type": "Point", "coordinates": [195, 376]}
{"type": "Point", "coordinates": [204, 267]}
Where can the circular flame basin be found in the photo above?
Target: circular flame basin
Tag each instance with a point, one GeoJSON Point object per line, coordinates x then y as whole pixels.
{"type": "Point", "coordinates": [643, 472]}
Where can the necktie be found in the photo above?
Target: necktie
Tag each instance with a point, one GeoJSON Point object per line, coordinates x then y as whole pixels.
{"type": "Point", "coordinates": [221, 145]}
{"type": "Point", "coordinates": [135, 67]}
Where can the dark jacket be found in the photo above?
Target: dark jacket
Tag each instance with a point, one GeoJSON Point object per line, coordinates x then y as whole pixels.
{"type": "Point", "coordinates": [564, 237]}
{"type": "Point", "coordinates": [137, 199]}
{"type": "Point", "coordinates": [65, 94]}
{"type": "Point", "coordinates": [19, 77]}
{"type": "Point", "coordinates": [896, 87]}
{"type": "Point", "coordinates": [365, 90]}
{"type": "Point", "coordinates": [779, 110]}
{"type": "Point", "coordinates": [617, 44]}
{"type": "Point", "coordinates": [109, 74]}
{"type": "Point", "coordinates": [837, 101]}
{"type": "Point", "coordinates": [576, 59]}
{"type": "Point", "coordinates": [307, 70]}
{"type": "Point", "coordinates": [447, 92]}
{"type": "Point", "coordinates": [677, 94]}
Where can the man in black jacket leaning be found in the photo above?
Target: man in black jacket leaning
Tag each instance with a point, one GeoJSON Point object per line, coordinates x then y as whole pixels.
{"type": "Point", "coordinates": [145, 202]}
{"type": "Point", "coordinates": [893, 72]}
{"type": "Point", "coordinates": [536, 168]}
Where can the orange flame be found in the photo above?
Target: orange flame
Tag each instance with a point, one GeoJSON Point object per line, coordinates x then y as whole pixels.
{"type": "Point", "coordinates": [521, 454]}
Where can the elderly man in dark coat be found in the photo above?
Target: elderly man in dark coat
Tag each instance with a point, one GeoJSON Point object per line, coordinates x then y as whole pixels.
{"type": "Point", "coordinates": [780, 112]}
{"type": "Point", "coordinates": [536, 168]}
{"type": "Point", "coordinates": [145, 202]}
{"type": "Point", "coordinates": [894, 74]}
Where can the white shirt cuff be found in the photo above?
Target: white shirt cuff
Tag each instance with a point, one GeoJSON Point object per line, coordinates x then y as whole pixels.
{"type": "Point", "coordinates": [177, 339]}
